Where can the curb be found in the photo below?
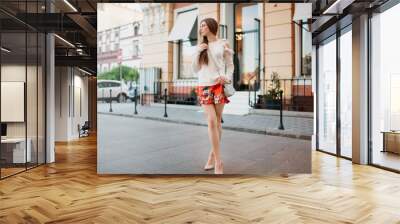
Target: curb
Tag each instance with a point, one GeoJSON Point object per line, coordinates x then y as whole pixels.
{"type": "Point", "coordinates": [265, 112]}
{"type": "Point", "coordinates": [271, 132]}
{"type": "Point", "coordinates": [177, 106]}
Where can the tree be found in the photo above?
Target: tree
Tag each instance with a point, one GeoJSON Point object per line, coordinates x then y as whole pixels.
{"type": "Point", "coordinates": [275, 87]}
{"type": "Point", "coordinates": [128, 73]}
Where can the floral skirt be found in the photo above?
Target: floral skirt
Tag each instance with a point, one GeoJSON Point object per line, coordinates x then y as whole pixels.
{"type": "Point", "coordinates": [211, 94]}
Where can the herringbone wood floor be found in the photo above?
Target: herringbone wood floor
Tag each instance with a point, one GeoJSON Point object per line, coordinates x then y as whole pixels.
{"type": "Point", "coordinates": [70, 191]}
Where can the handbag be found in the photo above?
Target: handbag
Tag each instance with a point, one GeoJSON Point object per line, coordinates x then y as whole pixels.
{"type": "Point", "coordinates": [229, 90]}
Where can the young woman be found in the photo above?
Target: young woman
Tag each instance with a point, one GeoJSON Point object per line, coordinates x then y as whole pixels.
{"type": "Point", "coordinates": [213, 73]}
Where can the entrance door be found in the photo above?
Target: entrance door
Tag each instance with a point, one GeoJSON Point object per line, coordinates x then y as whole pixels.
{"type": "Point", "coordinates": [247, 45]}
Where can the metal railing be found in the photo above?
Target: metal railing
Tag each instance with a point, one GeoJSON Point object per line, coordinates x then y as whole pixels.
{"type": "Point", "coordinates": [178, 92]}
{"type": "Point", "coordinates": [297, 94]}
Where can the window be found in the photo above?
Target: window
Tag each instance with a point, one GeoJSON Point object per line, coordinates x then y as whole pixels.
{"type": "Point", "coordinates": [106, 84]}
{"type": "Point", "coordinates": [346, 93]}
{"type": "Point", "coordinates": [136, 30]}
{"type": "Point", "coordinates": [100, 85]}
{"type": "Point", "coordinates": [108, 36]}
{"type": "Point", "coordinates": [135, 48]}
{"type": "Point", "coordinates": [99, 49]}
{"type": "Point", "coordinates": [116, 34]}
{"type": "Point", "coordinates": [385, 88]}
{"type": "Point", "coordinates": [247, 48]}
{"type": "Point", "coordinates": [114, 84]}
{"type": "Point", "coordinates": [327, 95]}
{"type": "Point", "coordinates": [186, 49]}
{"type": "Point", "coordinates": [116, 46]}
{"type": "Point", "coordinates": [306, 49]}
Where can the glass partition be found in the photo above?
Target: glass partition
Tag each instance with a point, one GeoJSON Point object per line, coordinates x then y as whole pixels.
{"type": "Point", "coordinates": [22, 77]}
{"type": "Point", "coordinates": [13, 109]}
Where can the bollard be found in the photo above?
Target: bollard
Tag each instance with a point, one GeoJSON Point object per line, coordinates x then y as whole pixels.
{"type": "Point", "coordinates": [110, 101]}
{"type": "Point", "coordinates": [255, 94]}
{"type": "Point", "coordinates": [280, 116]}
{"type": "Point", "coordinates": [135, 100]}
{"type": "Point", "coordinates": [249, 96]}
{"type": "Point", "coordinates": [165, 103]}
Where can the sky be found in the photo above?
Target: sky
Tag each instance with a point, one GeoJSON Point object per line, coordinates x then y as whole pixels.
{"type": "Point", "coordinates": [116, 14]}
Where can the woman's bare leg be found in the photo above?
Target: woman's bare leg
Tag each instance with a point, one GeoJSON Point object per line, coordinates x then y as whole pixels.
{"type": "Point", "coordinates": [211, 159]}
{"type": "Point", "coordinates": [213, 131]}
{"type": "Point", "coordinates": [218, 110]}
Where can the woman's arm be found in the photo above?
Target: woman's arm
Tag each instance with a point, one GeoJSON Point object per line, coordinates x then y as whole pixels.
{"type": "Point", "coordinates": [228, 56]}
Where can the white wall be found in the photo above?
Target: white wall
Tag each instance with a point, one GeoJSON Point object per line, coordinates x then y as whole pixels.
{"type": "Point", "coordinates": [33, 125]}
{"type": "Point", "coordinates": [71, 94]}
{"type": "Point", "coordinates": [17, 73]}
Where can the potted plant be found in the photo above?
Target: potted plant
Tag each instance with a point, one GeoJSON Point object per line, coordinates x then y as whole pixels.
{"type": "Point", "coordinates": [272, 98]}
{"type": "Point", "coordinates": [193, 97]}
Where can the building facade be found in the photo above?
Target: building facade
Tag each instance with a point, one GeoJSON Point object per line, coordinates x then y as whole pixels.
{"type": "Point", "coordinates": [119, 46]}
{"type": "Point", "coordinates": [265, 37]}
{"type": "Point", "coordinates": [119, 37]}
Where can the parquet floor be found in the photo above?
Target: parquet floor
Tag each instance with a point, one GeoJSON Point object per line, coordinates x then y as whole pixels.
{"type": "Point", "coordinates": [70, 191]}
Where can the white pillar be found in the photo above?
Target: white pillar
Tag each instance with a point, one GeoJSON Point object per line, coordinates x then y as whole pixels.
{"type": "Point", "coordinates": [50, 99]}
{"type": "Point", "coordinates": [360, 90]}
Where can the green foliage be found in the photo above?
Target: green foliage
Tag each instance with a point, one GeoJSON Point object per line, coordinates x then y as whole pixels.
{"type": "Point", "coordinates": [127, 73]}
{"type": "Point", "coordinates": [193, 93]}
{"type": "Point", "coordinates": [275, 87]}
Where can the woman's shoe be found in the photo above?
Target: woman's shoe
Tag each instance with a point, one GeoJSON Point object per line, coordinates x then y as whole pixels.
{"type": "Point", "coordinates": [221, 171]}
{"type": "Point", "coordinates": [206, 168]}
{"type": "Point", "coordinates": [209, 166]}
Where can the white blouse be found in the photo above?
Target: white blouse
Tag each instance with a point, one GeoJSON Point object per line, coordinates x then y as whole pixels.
{"type": "Point", "coordinates": [207, 74]}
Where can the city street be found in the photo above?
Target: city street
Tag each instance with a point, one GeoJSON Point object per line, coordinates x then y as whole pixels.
{"type": "Point", "coordinates": [129, 145]}
{"type": "Point", "coordinates": [294, 127]}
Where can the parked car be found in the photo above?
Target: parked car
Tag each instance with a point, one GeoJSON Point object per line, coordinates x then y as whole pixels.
{"type": "Point", "coordinates": [119, 91]}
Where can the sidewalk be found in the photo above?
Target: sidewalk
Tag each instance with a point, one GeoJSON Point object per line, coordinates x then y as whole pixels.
{"type": "Point", "coordinates": [294, 127]}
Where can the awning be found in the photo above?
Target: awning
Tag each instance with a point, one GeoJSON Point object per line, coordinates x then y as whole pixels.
{"type": "Point", "coordinates": [302, 11]}
{"type": "Point", "coordinates": [183, 26]}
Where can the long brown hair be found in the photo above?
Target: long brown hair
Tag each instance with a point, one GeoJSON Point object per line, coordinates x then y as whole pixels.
{"type": "Point", "coordinates": [212, 25]}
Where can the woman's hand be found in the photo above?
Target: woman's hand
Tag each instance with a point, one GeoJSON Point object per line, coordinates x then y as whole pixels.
{"type": "Point", "coordinates": [203, 47]}
{"type": "Point", "coordinates": [227, 48]}
{"type": "Point", "coordinates": [222, 79]}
